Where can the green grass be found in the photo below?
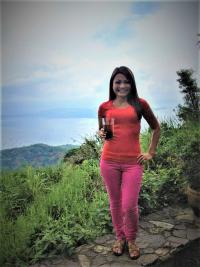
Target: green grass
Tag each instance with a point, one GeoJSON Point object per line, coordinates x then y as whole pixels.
{"type": "Point", "coordinates": [52, 210]}
{"type": "Point", "coordinates": [59, 215]}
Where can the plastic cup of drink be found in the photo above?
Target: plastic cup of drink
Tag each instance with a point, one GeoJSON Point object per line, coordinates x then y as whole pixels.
{"type": "Point", "coordinates": [108, 126]}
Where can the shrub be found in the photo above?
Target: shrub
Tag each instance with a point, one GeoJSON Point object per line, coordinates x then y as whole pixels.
{"type": "Point", "coordinates": [161, 188]}
{"type": "Point", "coordinates": [52, 210]}
{"type": "Point", "coordinates": [191, 156]}
{"type": "Point", "coordinates": [90, 149]}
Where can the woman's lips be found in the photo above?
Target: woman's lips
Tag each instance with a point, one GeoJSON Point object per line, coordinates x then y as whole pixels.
{"type": "Point", "coordinates": [122, 91]}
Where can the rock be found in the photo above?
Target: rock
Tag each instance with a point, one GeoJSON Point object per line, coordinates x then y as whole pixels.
{"type": "Point", "coordinates": [56, 261]}
{"type": "Point", "coordinates": [173, 251]}
{"type": "Point", "coordinates": [84, 261]}
{"type": "Point", "coordinates": [174, 245]}
{"type": "Point", "coordinates": [167, 245]}
{"type": "Point", "coordinates": [90, 253]}
{"type": "Point", "coordinates": [130, 265]}
{"type": "Point", "coordinates": [148, 250]}
{"type": "Point", "coordinates": [142, 243]}
{"type": "Point", "coordinates": [67, 263]}
{"type": "Point", "coordinates": [185, 216]}
{"type": "Point", "coordinates": [84, 250]}
{"type": "Point", "coordinates": [156, 230]}
{"type": "Point", "coordinates": [162, 251]}
{"type": "Point", "coordinates": [124, 264]}
{"type": "Point", "coordinates": [179, 233]}
{"type": "Point", "coordinates": [152, 216]}
{"type": "Point", "coordinates": [111, 257]}
{"type": "Point", "coordinates": [99, 260]}
{"type": "Point", "coordinates": [147, 240]}
{"type": "Point", "coordinates": [103, 239]}
{"type": "Point", "coordinates": [122, 259]}
{"type": "Point", "coordinates": [145, 225]}
{"type": "Point", "coordinates": [164, 225]}
{"type": "Point", "coordinates": [147, 259]}
{"type": "Point", "coordinates": [155, 241]}
{"type": "Point", "coordinates": [166, 233]}
{"type": "Point", "coordinates": [83, 247]}
{"type": "Point", "coordinates": [142, 232]}
{"type": "Point", "coordinates": [193, 233]}
{"type": "Point", "coordinates": [178, 240]}
{"type": "Point", "coordinates": [116, 264]}
{"type": "Point", "coordinates": [160, 235]}
{"type": "Point", "coordinates": [45, 263]}
{"type": "Point", "coordinates": [165, 257]}
{"type": "Point", "coordinates": [180, 226]}
{"type": "Point", "coordinates": [101, 249]}
{"type": "Point", "coordinates": [197, 221]}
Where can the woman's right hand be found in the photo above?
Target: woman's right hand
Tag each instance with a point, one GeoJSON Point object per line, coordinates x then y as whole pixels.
{"type": "Point", "coordinates": [102, 134]}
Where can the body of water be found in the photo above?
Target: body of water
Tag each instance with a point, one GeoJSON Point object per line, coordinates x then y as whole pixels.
{"type": "Point", "coordinates": [23, 132]}
{"type": "Point", "coordinates": [53, 131]}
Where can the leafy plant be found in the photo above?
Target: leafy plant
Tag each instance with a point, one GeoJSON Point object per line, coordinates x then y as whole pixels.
{"type": "Point", "coordinates": [191, 156]}
{"type": "Point", "coordinates": [190, 110]}
{"type": "Point", "coordinates": [66, 205]}
{"type": "Point", "coordinates": [90, 149]}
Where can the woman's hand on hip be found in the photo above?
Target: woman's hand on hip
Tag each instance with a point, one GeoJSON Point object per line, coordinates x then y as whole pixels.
{"type": "Point", "coordinates": [144, 156]}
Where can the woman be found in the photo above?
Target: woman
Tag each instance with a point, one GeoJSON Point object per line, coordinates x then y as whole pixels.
{"type": "Point", "coordinates": [121, 159]}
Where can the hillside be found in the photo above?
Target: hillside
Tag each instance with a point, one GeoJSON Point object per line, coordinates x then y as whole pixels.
{"type": "Point", "coordinates": [37, 155]}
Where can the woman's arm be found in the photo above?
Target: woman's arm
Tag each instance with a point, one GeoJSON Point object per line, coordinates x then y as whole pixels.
{"type": "Point", "coordinates": [152, 147]}
{"type": "Point", "coordinates": [155, 126]}
{"type": "Point", "coordinates": [154, 140]}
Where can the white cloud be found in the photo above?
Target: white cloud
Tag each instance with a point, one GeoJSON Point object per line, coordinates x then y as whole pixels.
{"type": "Point", "coordinates": [54, 43]}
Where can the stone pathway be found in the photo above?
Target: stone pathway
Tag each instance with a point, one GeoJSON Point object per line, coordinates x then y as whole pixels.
{"type": "Point", "coordinates": [161, 235]}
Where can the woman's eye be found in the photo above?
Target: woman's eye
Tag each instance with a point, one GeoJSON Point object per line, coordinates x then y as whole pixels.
{"type": "Point", "coordinates": [121, 82]}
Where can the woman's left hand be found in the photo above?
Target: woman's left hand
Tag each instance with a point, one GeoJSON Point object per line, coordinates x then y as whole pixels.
{"type": "Point", "coordinates": [144, 156]}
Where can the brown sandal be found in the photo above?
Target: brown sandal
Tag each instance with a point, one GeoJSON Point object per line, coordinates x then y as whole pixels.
{"type": "Point", "coordinates": [118, 247]}
{"type": "Point", "coordinates": [134, 251]}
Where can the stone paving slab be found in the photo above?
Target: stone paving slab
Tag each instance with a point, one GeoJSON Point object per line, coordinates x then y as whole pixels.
{"type": "Point", "coordinates": [161, 235]}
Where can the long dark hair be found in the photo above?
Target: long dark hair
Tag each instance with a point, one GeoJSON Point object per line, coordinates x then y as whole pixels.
{"type": "Point", "coordinates": [132, 98]}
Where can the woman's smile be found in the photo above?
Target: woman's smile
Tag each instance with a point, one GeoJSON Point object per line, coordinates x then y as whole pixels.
{"type": "Point", "coordinates": [121, 86]}
{"type": "Point", "coordinates": [122, 90]}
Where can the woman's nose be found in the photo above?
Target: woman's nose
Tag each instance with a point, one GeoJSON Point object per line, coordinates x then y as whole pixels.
{"type": "Point", "coordinates": [122, 85]}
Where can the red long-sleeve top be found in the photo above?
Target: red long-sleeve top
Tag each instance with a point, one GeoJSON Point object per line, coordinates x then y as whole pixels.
{"type": "Point", "coordinates": [125, 144]}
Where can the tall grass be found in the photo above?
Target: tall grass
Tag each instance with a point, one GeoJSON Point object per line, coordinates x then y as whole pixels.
{"type": "Point", "coordinates": [51, 210]}
{"type": "Point", "coordinates": [58, 218]}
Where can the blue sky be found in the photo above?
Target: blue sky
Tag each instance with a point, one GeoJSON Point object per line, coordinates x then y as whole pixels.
{"type": "Point", "coordinates": [57, 59]}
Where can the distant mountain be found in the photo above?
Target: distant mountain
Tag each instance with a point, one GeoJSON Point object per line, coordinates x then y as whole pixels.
{"type": "Point", "coordinates": [37, 155]}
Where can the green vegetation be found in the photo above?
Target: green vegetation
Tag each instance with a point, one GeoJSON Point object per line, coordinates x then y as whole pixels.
{"type": "Point", "coordinates": [38, 155]}
{"type": "Point", "coordinates": [190, 110]}
{"type": "Point", "coordinates": [51, 210]}
{"type": "Point", "coordinates": [189, 115]}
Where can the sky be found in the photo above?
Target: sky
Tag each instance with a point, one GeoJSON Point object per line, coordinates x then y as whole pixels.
{"type": "Point", "coordinates": [58, 57]}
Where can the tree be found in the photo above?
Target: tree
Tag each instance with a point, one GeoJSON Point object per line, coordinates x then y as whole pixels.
{"type": "Point", "coordinates": [190, 110]}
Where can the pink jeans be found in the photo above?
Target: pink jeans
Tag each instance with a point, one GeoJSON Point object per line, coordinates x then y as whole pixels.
{"type": "Point", "coordinates": [123, 182]}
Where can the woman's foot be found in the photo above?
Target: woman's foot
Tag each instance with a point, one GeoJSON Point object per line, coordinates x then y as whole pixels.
{"type": "Point", "coordinates": [134, 251]}
{"type": "Point", "coordinates": [118, 247]}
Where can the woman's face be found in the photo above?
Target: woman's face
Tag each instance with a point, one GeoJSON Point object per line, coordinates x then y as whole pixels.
{"type": "Point", "coordinates": [121, 85]}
